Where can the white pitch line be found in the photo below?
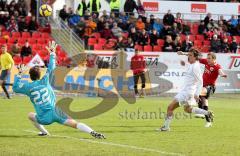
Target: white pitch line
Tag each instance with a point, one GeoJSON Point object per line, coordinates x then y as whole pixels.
{"type": "Point", "coordinates": [107, 143]}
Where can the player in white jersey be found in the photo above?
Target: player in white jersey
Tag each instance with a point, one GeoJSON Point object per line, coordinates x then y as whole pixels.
{"type": "Point", "coordinates": [189, 94]}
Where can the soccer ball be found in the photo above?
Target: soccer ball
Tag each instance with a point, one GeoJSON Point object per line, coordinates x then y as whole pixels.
{"type": "Point", "coordinates": [45, 10]}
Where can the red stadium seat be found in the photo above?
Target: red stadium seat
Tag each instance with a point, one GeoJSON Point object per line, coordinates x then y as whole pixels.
{"type": "Point", "coordinates": [237, 39]}
{"type": "Point", "coordinates": [92, 41]}
{"type": "Point", "coordinates": [138, 47]}
{"type": "Point", "coordinates": [125, 35]}
{"type": "Point", "coordinates": [26, 59]}
{"type": "Point", "coordinates": [192, 37]}
{"type": "Point", "coordinates": [17, 60]}
{"type": "Point", "coordinates": [6, 33]}
{"type": "Point", "coordinates": [41, 41]}
{"type": "Point", "coordinates": [45, 35]}
{"type": "Point", "coordinates": [98, 47]}
{"type": "Point", "coordinates": [16, 34]}
{"type": "Point", "coordinates": [96, 35]}
{"type": "Point", "coordinates": [12, 40]}
{"type": "Point", "coordinates": [26, 35]}
{"type": "Point", "coordinates": [157, 48]}
{"type": "Point", "coordinates": [197, 43]}
{"type": "Point", "coordinates": [200, 37]}
{"type": "Point", "coordinates": [36, 47]}
{"type": "Point", "coordinates": [43, 53]}
{"type": "Point", "coordinates": [102, 41]}
{"type": "Point", "coordinates": [2, 41]}
{"type": "Point", "coordinates": [21, 41]}
{"type": "Point", "coordinates": [160, 42]}
{"type": "Point", "coordinates": [205, 49]}
{"type": "Point", "coordinates": [206, 43]}
{"type": "Point", "coordinates": [147, 48]}
{"type": "Point", "coordinates": [32, 41]}
{"type": "Point", "coordinates": [36, 35]}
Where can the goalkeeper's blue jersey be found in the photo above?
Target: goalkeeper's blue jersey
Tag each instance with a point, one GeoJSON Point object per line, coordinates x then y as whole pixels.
{"type": "Point", "coordinates": [40, 92]}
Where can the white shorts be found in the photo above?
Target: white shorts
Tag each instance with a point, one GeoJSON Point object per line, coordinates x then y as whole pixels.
{"type": "Point", "coordinates": [185, 99]}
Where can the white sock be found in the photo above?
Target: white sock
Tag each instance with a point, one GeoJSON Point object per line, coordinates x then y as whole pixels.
{"type": "Point", "coordinates": [83, 127]}
{"type": "Point", "coordinates": [40, 127]}
{"type": "Point", "coordinates": [167, 121]}
{"type": "Point", "coordinates": [199, 111]}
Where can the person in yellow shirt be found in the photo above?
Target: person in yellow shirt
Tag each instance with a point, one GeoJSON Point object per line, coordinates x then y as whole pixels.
{"type": "Point", "coordinates": [6, 64]}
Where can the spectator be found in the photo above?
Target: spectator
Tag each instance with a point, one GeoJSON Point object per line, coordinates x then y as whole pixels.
{"type": "Point", "coordinates": [12, 27]}
{"type": "Point", "coordinates": [175, 30]}
{"type": "Point", "coordinates": [100, 24]}
{"type": "Point", "coordinates": [133, 35]}
{"type": "Point", "coordinates": [187, 44]}
{"type": "Point", "coordinates": [177, 43]}
{"type": "Point", "coordinates": [63, 13]}
{"type": "Point", "coordinates": [116, 31]}
{"type": "Point", "coordinates": [123, 17]}
{"type": "Point", "coordinates": [178, 19]}
{"type": "Point", "coordinates": [23, 4]}
{"type": "Point", "coordinates": [201, 28]}
{"type": "Point", "coordinates": [143, 38]}
{"type": "Point", "coordinates": [207, 19]}
{"type": "Point", "coordinates": [130, 43]}
{"type": "Point", "coordinates": [105, 15]}
{"type": "Point", "coordinates": [148, 25]}
{"type": "Point", "coordinates": [22, 25]}
{"type": "Point", "coordinates": [168, 19]}
{"type": "Point", "coordinates": [233, 46]}
{"type": "Point", "coordinates": [140, 25]}
{"type": "Point", "coordinates": [80, 27]}
{"type": "Point", "coordinates": [158, 26]}
{"type": "Point", "coordinates": [233, 21]}
{"type": "Point", "coordinates": [215, 44]}
{"type": "Point", "coordinates": [153, 37]}
{"type": "Point", "coordinates": [26, 50]}
{"type": "Point", "coordinates": [168, 44]}
{"type": "Point", "coordinates": [106, 33]}
{"type": "Point", "coordinates": [122, 25]}
{"type": "Point", "coordinates": [121, 43]}
{"type": "Point", "coordinates": [129, 7]}
{"type": "Point", "coordinates": [115, 6]}
{"type": "Point", "coordinates": [33, 25]}
{"type": "Point", "coordinates": [15, 49]}
{"type": "Point", "coordinates": [22, 12]}
{"type": "Point", "coordinates": [90, 27]}
{"type": "Point", "coordinates": [141, 11]}
{"type": "Point", "coordinates": [225, 46]}
{"type": "Point", "coordinates": [73, 20]}
{"type": "Point", "coordinates": [82, 7]}
{"type": "Point", "coordinates": [94, 6]}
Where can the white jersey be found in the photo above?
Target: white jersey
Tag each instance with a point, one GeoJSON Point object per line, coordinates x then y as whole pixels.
{"type": "Point", "coordinates": [193, 81]}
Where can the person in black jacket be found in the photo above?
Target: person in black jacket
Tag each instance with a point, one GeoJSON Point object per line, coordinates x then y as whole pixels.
{"type": "Point", "coordinates": [129, 7]}
{"type": "Point", "coordinates": [153, 37]}
{"type": "Point", "coordinates": [215, 44]}
{"type": "Point", "coordinates": [233, 46]}
{"type": "Point", "coordinates": [168, 44]}
{"type": "Point", "coordinates": [143, 38]}
{"type": "Point", "coordinates": [168, 18]}
{"type": "Point", "coordinates": [63, 13]}
{"type": "Point", "coordinates": [26, 50]}
{"type": "Point", "coordinates": [225, 46]}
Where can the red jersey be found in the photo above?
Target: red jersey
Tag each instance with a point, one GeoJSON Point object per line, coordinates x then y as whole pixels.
{"type": "Point", "coordinates": [138, 64]}
{"type": "Point", "coordinates": [211, 73]}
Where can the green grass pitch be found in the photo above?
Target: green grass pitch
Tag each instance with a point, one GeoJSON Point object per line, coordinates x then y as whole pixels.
{"type": "Point", "coordinates": [130, 130]}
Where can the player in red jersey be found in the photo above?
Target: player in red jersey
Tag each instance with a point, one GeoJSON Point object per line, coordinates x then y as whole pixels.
{"type": "Point", "coordinates": [138, 66]}
{"type": "Point", "coordinates": [210, 75]}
